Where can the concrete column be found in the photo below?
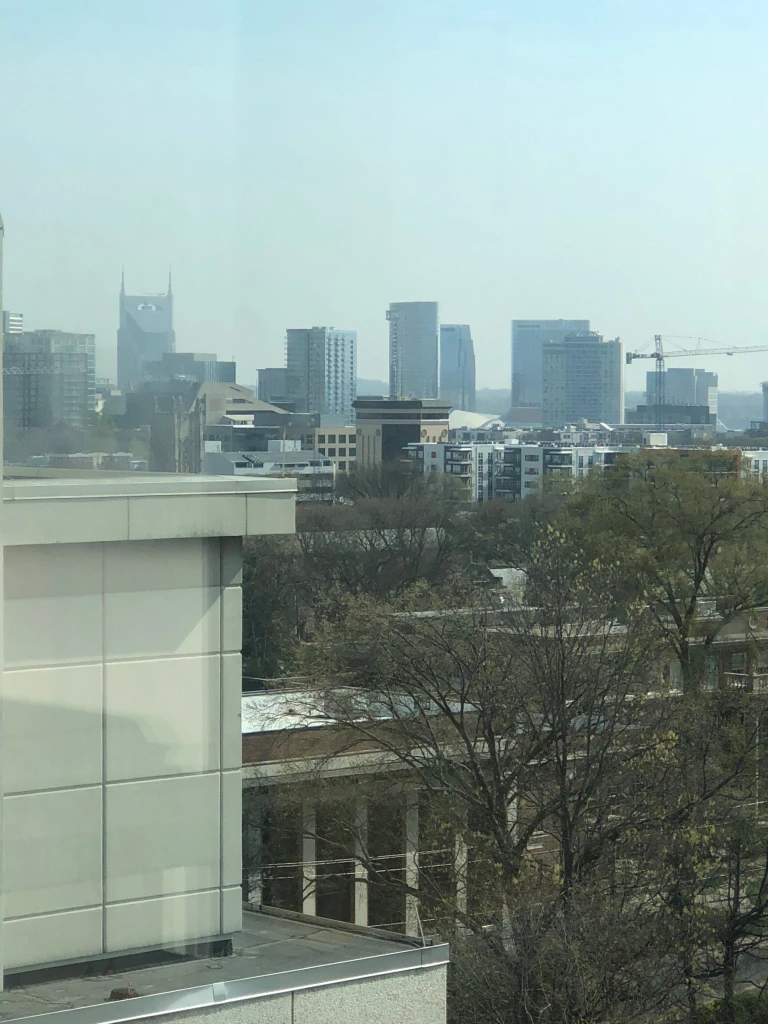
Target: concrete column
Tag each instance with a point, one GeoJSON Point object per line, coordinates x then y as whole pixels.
{"type": "Point", "coordinates": [308, 858]}
{"type": "Point", "coordinates": [361, 873]}
{"type": "Point", "coordinates": [461, 864]}
{"type": "Point", "coordinates": [412, 923]}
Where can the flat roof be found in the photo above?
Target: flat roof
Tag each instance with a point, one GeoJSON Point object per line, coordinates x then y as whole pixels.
{"type": "Point", "coordinates": [275, 952]}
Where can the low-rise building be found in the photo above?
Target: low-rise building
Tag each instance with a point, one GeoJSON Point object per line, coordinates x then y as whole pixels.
{"type": "Point", "coordinates": [471, 466]}
{"type": "Point", "coordinates": [315, 474]}
{"type": "Point", "coordinates": [338, 444]}
{"type": "Point", "coordinates": [385, 426]}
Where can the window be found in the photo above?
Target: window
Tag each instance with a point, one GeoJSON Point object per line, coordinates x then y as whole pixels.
{"type": "Point", "coordinates": [342, 438]}
{"type": "Point", "coordinates": [321, 451]}
{"type": "Point", "coordinates": [531, 458]}
{"type": "Point", "coordinates": [331, 451]}
{"type": "Point", "coordinates": [353, 452]}
{"type": "Point", "coordinates": [342, 465]}
{"type": "Point", "coordinates": [321, 438]}
{"type": "Point", "coordinates": [342, 451]}
{"type": "Point", "coordinates": [433, 455]}
{"type": "Point", "coordinates": [331, 439]}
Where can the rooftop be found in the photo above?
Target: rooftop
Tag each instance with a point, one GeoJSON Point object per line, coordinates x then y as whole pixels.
{"type": "Point", "coordinates": [79, 507]}
{"type": "Point", "coordinates": [275, 952]}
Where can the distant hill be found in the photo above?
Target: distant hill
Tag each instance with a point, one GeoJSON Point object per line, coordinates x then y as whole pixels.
{"type": "Point", "coordinates": [371, 387]}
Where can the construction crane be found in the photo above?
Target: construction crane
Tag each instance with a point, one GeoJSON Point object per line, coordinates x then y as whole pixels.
{"type": "Point", "coordinates": [659, 386]}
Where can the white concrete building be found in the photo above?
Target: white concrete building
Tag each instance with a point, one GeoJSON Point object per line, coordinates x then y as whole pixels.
{"type": "Point", "coordinates": [470, 465]}
{"type": "Point", "coordinates": [121, 698]}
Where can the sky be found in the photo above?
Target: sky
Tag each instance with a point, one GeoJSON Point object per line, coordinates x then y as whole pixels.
{"type": "Point", "coordinates": [304, 163]}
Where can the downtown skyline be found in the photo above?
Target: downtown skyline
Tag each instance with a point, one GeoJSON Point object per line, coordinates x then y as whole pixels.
{"type": "Point", "coordinates": [605, 163]}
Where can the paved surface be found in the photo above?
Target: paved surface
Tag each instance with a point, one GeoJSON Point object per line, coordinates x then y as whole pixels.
{"type": "Point", "coordinates": [266, 945]}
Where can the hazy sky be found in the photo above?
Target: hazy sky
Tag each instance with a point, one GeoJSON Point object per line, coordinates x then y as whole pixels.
{"type": "Point", "coordinates": [302, 162]}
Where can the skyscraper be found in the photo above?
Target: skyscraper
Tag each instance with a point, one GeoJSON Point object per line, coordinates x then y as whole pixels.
{"type": "Point", "coordinates": [321, 371]}
{"type": "Point", "coordinates": [49, 379]}
{"type": "Point", "coordinates": [582, 378]}
{"type": "Point", "coordinates": [457, 366]}
{"type": "Point", "coordinates": [528, 337]}
{"type": "Point", "coordinates": [13, 323]}
{"type": "Point", "coordinates": [273, 384]}
{"type": "Point", "coordinates": [145, 333]}
{"type": "Point", "coordinates": [413, 330]}
{"type": "Point", "coordinates": [684, 386]}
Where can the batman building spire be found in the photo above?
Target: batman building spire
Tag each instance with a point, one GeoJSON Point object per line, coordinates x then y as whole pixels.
{"type": "Point", "coordinates": [145, 333]}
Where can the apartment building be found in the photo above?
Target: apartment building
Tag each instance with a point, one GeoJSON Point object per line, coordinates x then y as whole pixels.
{"type": "Point", "coordinates": [470, 466]}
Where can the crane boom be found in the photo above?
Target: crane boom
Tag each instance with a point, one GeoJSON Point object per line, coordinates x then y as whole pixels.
{"type": "Point", "coordinates": [661, 356]}
{"type": "Point", "coordinates": [725, 351]}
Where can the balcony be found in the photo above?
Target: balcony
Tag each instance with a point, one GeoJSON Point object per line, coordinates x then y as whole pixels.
{"type": "Point", "coordinates": [749, 682]}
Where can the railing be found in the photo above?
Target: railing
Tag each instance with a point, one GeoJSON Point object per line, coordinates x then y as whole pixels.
{"type": "Point", "coordinates": [750, 682]}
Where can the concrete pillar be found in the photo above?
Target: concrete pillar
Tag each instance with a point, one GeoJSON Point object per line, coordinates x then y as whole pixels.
{"type": "Point", "coordinates": [308, 858]}
{"type": "Point", "coordinates": [461, 864]}
{"type": "Point", "coordinates": [412, 922]}
{"type": "Point", "coordinates": [361, 873]}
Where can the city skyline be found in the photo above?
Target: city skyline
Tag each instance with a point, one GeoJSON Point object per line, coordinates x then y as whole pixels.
{"type": "Point", "coordinates": [605, 163]}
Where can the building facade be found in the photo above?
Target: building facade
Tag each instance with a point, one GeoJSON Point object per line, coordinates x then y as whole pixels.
{"type": "Point", "coordinates": [13, 323]}
{"type": "Point", "coordinates": [528, 337]}
{"type": "Point", "coordinates": [273, 384]}
{"type": "Point", "coordinates": [49, 379]}
{"type": "Point", "coordinates": [199, 366]}
{"type": "Point", "coordinates": [413, 349]}
{"type": "Point", "coordinates": [684, 386]}
{"type": "Point", "coordinates": [144, 335]}
{"type": "Point", "coordinates": [470, 466]}
{"type": "Point", "coordinates": [457, 366]}
{"type": "Point", "coordinates": [321, 371]}
{"type": "Point", "coordinates": [582, 379]}
{"type": "Point", "coordinates": [339, 445]}
{"type": "Point", "coordinates": [385, 426]}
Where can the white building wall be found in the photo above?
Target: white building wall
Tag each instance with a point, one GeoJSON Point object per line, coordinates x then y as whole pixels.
{"type": "Point", "coordinates": [121, 746]}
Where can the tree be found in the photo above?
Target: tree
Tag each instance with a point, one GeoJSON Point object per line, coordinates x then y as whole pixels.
{"type": "Point", "coordinates": [534, 724]}
{"type": "Point", "coordinates": [686, 531]}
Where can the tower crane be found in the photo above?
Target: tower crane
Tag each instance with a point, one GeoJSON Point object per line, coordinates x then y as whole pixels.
{"type": "Point", "coordinates": [658, 353]}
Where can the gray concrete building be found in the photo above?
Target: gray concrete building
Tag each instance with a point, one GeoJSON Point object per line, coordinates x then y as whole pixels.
{"type": "Point", "coordinates": [321, 371]}
{"type": "Point", "coordinates": [684, 386]}
{"type": "Point", "coordinates": [582, 379]}
{"type": "Point", "coordinates": [144, 335]}
{"type": "Point", "coordinates": [413, 349]}
{"type": "Point", "coordinates": [49, 379]}
{"type": "Point", "coordinates": [528, 338]}
{"type": "Point", "coordinates": [457, 366]}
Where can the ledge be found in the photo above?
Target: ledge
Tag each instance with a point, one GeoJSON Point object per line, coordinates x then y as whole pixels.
{"type": "Point", "coordinates": [135, 506]}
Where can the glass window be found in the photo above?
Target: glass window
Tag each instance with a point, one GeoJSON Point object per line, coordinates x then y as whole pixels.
{"type": "Point", "coordinates": [321, 438]}
{"type": "Point", "coordinates": [342, 465]}
{"type": "Point", "coordinates": [342, 451]}
{"type": "Point", "coordinates": [331, 451]}
{"type": "Point", "coordinates": [331, 439]}
{"type": "Point", "coordinates": [353, 451]}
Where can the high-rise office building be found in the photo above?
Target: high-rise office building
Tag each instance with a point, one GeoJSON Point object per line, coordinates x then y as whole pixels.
{"type": "Point", "coordinates": [528, 337]}
{"type": "Point", "coordinates": [582, 379]}
{"type": "Point", "coordinates": [413, 349]}
{"type": "Point", "coordinates": [49, 378]}
{"type": "Point", "coordinates": [321, 371]}
{"type": "Point", "coordinates": [684, 386]}
{"type": "Point", "coordinates": [457, 366]}
{"type": "Point", "coordinates": [145, 333]}
{"type": "Point", "coordinates": [13, 323]}
{"type": "Point", "coordinates": [273, 384]}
